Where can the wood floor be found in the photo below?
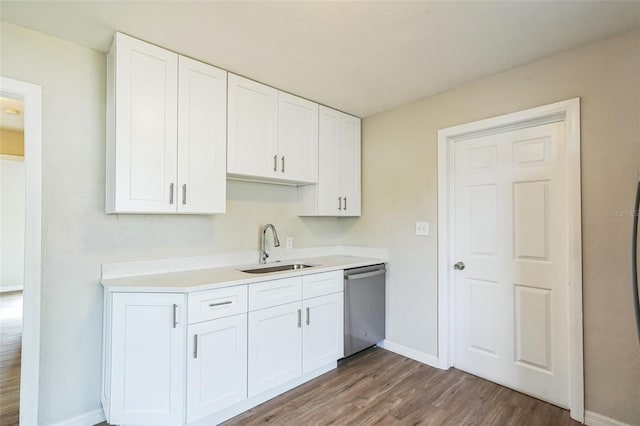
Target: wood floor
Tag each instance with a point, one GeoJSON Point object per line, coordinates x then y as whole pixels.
{"type": "Point", "coordinates": [10, 350]}
{"type": "Point", "coordinates": [377, 387]}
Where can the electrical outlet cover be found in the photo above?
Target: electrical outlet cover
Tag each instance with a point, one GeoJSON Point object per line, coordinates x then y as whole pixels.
{"type": "Point", "coordinates": [422, 229]}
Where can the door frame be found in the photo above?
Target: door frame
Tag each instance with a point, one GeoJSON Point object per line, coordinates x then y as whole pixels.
{"type": "Point", "coordinates": [31, 94]}
{"type": "Point", "coordinates": [567, 112]}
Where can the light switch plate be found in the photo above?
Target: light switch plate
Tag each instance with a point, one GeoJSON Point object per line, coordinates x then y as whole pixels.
{"type": "Point", "coordinates": [289, 242]}
{"type": "Point", "coordinates": [422, 229]}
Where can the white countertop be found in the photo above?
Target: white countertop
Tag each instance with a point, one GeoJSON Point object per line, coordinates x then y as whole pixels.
{"type": "Point", "coordinates": [205, 279]}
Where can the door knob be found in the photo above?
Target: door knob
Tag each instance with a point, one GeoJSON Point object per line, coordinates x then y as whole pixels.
{"type": "Point", "coordinates": [459, 266]}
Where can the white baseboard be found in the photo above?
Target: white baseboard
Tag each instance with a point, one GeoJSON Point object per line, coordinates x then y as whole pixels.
{"type": "Point", "coordinates": [410, 353]}
{"type": "Point", "coordinates": [595, 419]}
{"type": "Point", "coordinates": [87, 419]}
{"type": "Point", "coordinates": [8, 288]}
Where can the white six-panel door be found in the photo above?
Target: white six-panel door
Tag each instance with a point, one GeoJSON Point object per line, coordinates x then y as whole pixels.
{"type": "Point", "coordinates": [511, 306]}
{"type": "Point", "coordinates": [216, 365]}
{"type": "Point", "coordinates": [202, 133]}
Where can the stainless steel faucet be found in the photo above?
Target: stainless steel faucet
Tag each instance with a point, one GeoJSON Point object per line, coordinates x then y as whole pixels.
{"type": "Point", "coordinates": [276, 242]}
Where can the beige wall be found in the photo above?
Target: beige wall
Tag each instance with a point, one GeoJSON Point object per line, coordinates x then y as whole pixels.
{"type": "Point", "coordinates": [399, 187]}
{"type": "Point", "coordinates": [11, 142]}
{"type": "Point", "coordinates": [78, 237]}
{"type": "Point", "coordinates": [399, 183]}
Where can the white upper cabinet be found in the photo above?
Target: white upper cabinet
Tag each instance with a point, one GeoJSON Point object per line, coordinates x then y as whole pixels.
{"type": "Point", "coordinates": [297, 138]}
{"type": "Point", "coordinates": [349, 166]}
{"type": "Point", "coordinates": [273, 136]}
{"type": "Point", "coordinates": [142, 124]}
{"type": "Point", "coordinates": [202, 137]}
{"type": "Point", "coordinates": [338, 190]}
{"type": "Point", "coordinates": [166, 131]}
{"type": "Point", "coordinates": [253, 129]}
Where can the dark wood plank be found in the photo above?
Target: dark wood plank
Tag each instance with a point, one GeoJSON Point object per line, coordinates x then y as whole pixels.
{"type": "Point", "coordinates": [380, 388]}
{"type": "Point", "coordinates": [10, 356]}
{"type": "Point", "coordinates": [377, 387]}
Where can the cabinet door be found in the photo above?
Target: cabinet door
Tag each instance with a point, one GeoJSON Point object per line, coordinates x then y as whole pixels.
{"type": "Point", "coordinates": [146, 90]}
{"type": "Point", "coordinates": [297, 139]}
{"type": "Point", "coordinates": [328, 164]}
{"type": "Point", "coordinates": [275, 346]}
{"type": "Point", "coordinates": [202, 133]}
{"type": "Point", "coordinates": [252, 128]}
{"type": "Point", "coordinates": [323, 336]}
{"type": "Point", "coordinates": [147, 368]}
{"type": "Point", "coordinates": [216, 365]}
{"type": "Point", "coordinates": [350, 165]}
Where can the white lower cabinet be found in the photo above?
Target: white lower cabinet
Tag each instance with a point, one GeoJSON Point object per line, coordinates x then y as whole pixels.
{"type": "Point", "coordinates": [323, 335]}
{"type": "Point", "coordinates": [216, 365]}
{"type": "Point", "coordinates": [295, 338]}
{"type": "Point", "coordinates": [175, 359]}
{"type": "Point", "coordinates": [146, 363]}
{"type": "Point", "coordinates": [275, 340]}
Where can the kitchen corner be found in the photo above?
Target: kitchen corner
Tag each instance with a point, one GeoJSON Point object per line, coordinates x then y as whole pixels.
{"type": "Point", "coordinates": [172, 324]}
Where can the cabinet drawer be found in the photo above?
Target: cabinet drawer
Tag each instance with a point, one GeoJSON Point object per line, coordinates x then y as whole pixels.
{"type": "Point", "coordinates": [272, 293]}
{"type": "Point", "coordinates": [219, 303]}
{"type": "Point", "coordinates": [321, 284]}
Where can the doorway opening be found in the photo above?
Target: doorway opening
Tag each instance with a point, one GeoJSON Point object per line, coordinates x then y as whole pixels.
{"type": "Point", "coordinates": [506, 253]}
{"type": "Point", "coordinates": [20, 249]}
{"type": "Point", "coordinates": [12, 215]}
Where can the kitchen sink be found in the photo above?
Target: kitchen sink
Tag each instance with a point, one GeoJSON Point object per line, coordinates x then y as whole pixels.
{"type": "Point", "coordinates": [276, 268]}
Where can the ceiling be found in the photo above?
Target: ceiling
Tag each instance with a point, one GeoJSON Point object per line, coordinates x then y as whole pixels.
{"type": "Point", "coordinates": [11, 114]}
{"type": "Point", "coordinates": [360, 57]}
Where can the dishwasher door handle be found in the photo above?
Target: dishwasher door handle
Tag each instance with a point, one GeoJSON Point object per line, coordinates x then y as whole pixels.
{"type": "Point", "coordinates": [365, 275]}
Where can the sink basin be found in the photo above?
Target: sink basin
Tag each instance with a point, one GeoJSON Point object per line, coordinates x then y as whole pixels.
{"type": "Point", "coordinates": [276, 268]}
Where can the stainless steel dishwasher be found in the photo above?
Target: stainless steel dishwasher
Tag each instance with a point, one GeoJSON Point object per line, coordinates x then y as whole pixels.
{"type": "Point", "coordinates": [364, 312]}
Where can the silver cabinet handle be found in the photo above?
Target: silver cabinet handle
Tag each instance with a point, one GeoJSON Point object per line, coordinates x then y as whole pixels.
{"type": "Point", "coordinates": [275, 163]}
{"type": "Point", "coordinates": [345, 203]}
{"type": "Point", "coordinates": [184, 194]}
{"type": "Point", "coordinates": [228, 302]}
{"type": "Point", "coordinates": [299, 318]}
{"type": "Point", "coordinates": [339, 203]}
{"type": "Point", "coordinates": [459, 266]}
{"type": "Point", "coordinates": [283, 164]}
{"type": "Point", "coordinates": [365, 275]}
{"type": "Point", "coordinates": [195, 346]}
{"type": "Point", "coordinates": [175, 316]}
{"type": "Point", "coordinates": [171, 193]}
{"type": "Point", "coordinates": [308, 316]}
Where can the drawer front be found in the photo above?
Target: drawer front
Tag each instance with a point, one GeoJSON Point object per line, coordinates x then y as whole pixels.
{"type": "Point", "coordinates": [219, 303]}
{"type": "Point", "coordinates": [322, 284]}
{"type": "Point", "coordinates": [273, 293]}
